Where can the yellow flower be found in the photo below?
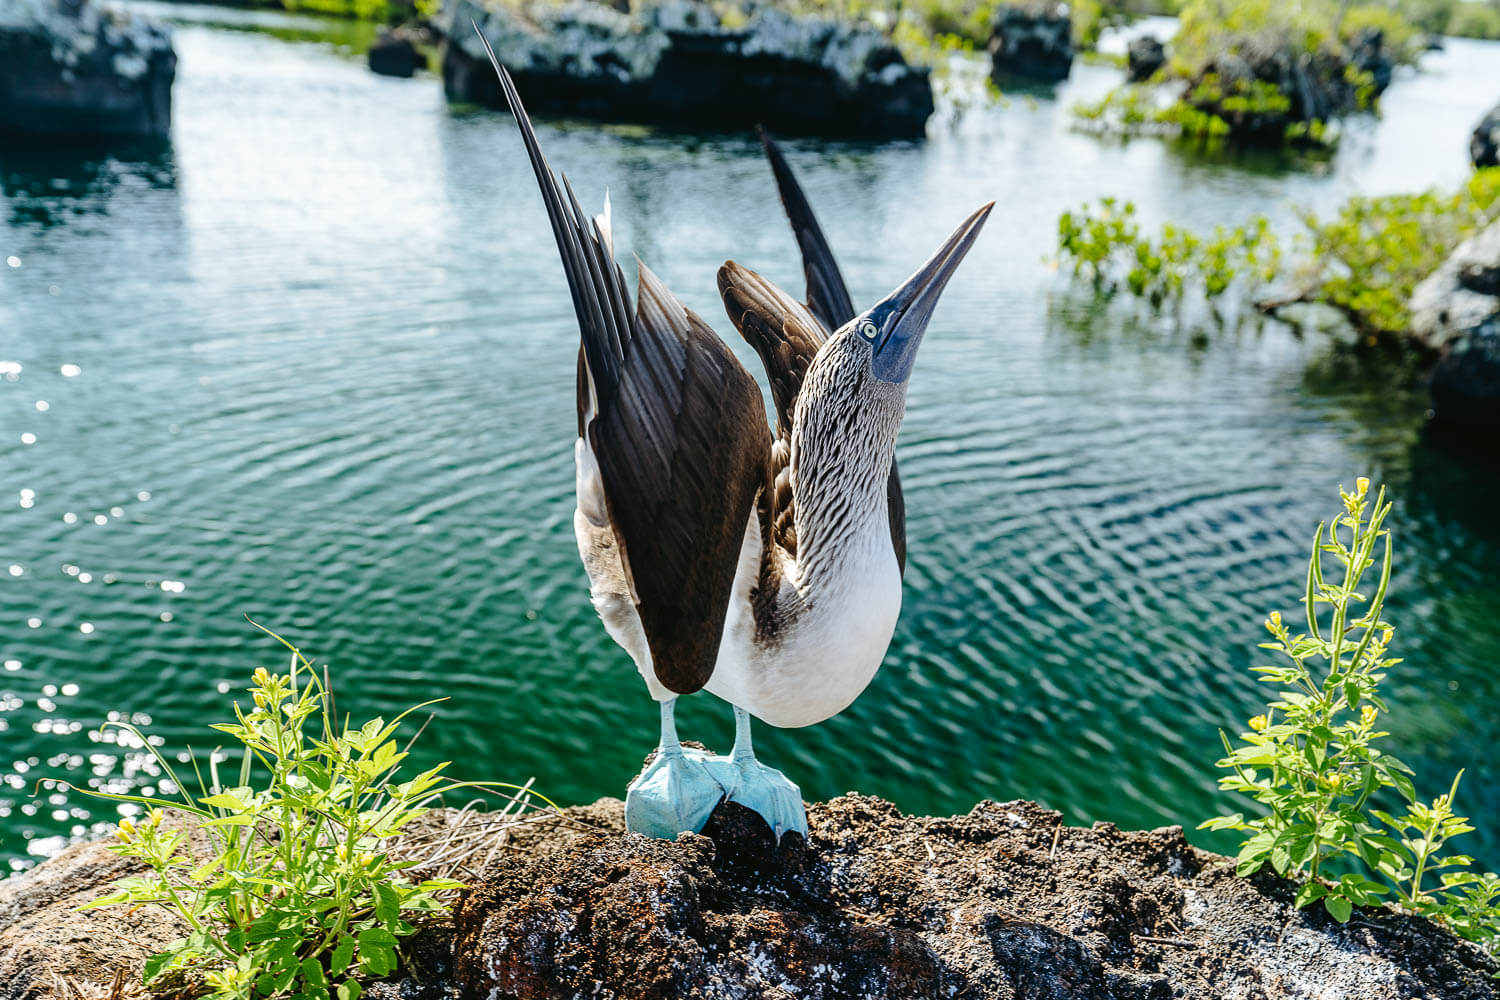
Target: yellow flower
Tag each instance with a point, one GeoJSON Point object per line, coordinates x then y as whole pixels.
{"type": "Point", "coordinates": [1273, 623]}
{"type": "Point", "coordinates": [1259, 723]}
{"type": "Point", "coordinates": [155, 816]}
{"type": "Point", "coordinates": [1362, 486]}
{"type": "Point", "coordinates": [126, 832]}
{"type": "Point", "coordinates": [1367, 715]}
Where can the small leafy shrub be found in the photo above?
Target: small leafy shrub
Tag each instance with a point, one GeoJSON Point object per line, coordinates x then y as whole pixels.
{"type": "Point", "coordinates": [1369, 257]}
{"type": "Point", "coordinates": [1198, 113]}
{"type": "Point", "coordinates": [1313, 759]}
{"type": "Point", "coordinates": [1475, 20]}
{"type": "Point", "coordinates": [1364, 262]}
{"type": "Point", "coordinates": [1107, 243]}
{"type": "Point", "coordinates": [285, 877]}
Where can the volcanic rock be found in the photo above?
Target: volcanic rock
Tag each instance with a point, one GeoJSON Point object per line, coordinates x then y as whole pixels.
{"type": "Point", "coordinates": [395, 53]}
{"type": "Point", "coordinates": [675, 63]}
{"type": "Point", "coordinates": [1456, 313]}
{"type": "Point", "coordinates": [1144, 56]}
{"type": "Point", "coordinates": [1003, 903]}
{"type": "Point", "coordinates": [75, 67]}
{"type": "Point", "coordinates": [1033, 42]}
{"type": "Point", "coordinates": [1484, 144]}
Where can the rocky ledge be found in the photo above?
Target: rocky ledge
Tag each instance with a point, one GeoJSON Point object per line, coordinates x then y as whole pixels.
{"type": "Point", "coordinates": [75, 67]}
{"type": "Point", "coordinates": [1456, 315]}
{"type": "Point", "coordinates": [1321, 85]}
{"type": "Point", "coordinates": [1484, 143]}
{"type": "Point", "coordinates": [1003, 903]}
{"type": "Point", "coordinates": [675, 63]}
{"type": "Point", "coordinates": [1031, 42]}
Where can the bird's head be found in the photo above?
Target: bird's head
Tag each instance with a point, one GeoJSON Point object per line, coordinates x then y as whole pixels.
{"type": "Point", "coordinates": [894, 326]}
{"type": "Point", "coordinates": [854, 395]}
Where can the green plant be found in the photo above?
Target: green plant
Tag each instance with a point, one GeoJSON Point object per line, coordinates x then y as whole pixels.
{"type": "Point", "coordinates": [1106, 242]}
{"type": "Point", "coordinates": [1312, 760]}
{"type": "Point", "coordinates": [1198, 112]}
{"type": "Point", "coordinates": [1475, 20]}
{"type": "Point", "coordinates": [1316, 766]}
{"type": "Point", "coordinates": [1363, 262]}
{"type": "Point", "coordinates": [285, 879]}
{"type": "Point", "coordinates": [1368, 258]}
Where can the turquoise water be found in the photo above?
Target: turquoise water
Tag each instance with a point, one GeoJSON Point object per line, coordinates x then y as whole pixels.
{"type": "Point", "coordinates": [312, 362]}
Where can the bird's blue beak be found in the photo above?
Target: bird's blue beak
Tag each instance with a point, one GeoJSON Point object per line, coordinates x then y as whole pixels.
{"type": "Point", "coordinates": [894, 325]}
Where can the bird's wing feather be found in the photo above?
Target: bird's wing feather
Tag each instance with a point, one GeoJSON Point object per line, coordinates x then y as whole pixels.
{"type": "Point", "coordinates": [787, 347]}
{"type": "Point", "coordinates": [827, 295]}
{"type": "Point", "coordinates": [787, 338]}
{"type": "Point", "coordinates": [677, 426]}
{"type": "Point", "coordinates": [782, 330]}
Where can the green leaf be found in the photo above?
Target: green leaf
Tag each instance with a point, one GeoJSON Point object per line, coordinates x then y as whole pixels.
{"type": "Point", "coordinates": [1309, 892]}
{"type": "Point", "coordinates": [349, 990]}
{"type": "Point", "coordinates": [206, 869]}
{"type": "Point", "coordinates": [312, 971]}
{"type": "Point", "coordinates": [342, 955]}
{"type": "Point", "coordinates": [156, 963]}
{"type": "Point", "coordinates": [230, 820]}
{"type": "Point", "coordinates": [1338, 907]}
{"type": "Point", "coordinates": [225, 800]}
{"type": "Point", "coordinates": [387, 904]}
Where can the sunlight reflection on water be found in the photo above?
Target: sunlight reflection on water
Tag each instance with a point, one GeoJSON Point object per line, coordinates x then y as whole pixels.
{"type": "Point", "coordinates": [320, 374]}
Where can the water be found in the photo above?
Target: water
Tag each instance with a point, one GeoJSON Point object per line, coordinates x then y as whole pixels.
{"type": "Point", "coordinates": [312, 363]}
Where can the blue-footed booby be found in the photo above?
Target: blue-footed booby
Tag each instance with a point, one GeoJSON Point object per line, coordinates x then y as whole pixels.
{"type": "Point", "coordinates": [765, 568]}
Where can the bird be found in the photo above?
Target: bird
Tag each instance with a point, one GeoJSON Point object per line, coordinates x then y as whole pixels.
{"type": "Point", "coordinates": [762, 567]}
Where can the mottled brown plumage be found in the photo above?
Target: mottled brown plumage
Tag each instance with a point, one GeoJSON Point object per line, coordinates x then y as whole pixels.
{"type": "Point", "coordinates": [678, 429]}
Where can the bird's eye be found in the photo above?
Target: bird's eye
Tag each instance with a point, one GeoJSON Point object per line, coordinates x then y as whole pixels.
{"type": "Point", "coordinates": [867, 329]}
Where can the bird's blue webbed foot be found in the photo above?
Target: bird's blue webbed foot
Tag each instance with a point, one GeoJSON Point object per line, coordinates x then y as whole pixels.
{"type": "Point", "coordinates": [752, 784]}
{"type": "Point", "coordinates": [677, 792]}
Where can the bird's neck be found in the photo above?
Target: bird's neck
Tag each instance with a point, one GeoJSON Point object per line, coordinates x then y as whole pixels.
{"type": "Point", "coordinates": [842, 546]}
{"type": "Point", "coordinates": [839, 476]}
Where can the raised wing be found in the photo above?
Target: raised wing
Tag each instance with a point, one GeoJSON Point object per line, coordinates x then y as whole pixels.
{"type": "Point", "coordinates": [678, 429]}
{"type": "Point", "coordinates": [778, 328]}
{"type": "Point", "coordinates": [827, 295]}
{"type": "Point", "coordinates": [782, 331]}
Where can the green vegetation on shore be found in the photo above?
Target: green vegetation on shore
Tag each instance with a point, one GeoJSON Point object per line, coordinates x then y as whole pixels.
{"type": "Point", "coordinates": [1262, 71]}
{"type": "Point", "coordinates": [1313, 762]}
{"type": "Point", "coordinates": [1364, 262]}
{"type": "Point", "coordinates": [295, 881]}
{"type": "Point", "coordinates": [285, 878]}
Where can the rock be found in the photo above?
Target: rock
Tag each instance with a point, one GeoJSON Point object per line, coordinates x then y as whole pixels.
{"type": "Point", "coordinates": [1261, 83]}
{"type": "Point", "coordinates": [1144, 56]}
{"type": "Point", "coordinates": [1484, 144]}
{"type": "Point", "coordinates": [1368, 54]}
{"type": "Point", "coordinates": [1456, 314]}
{"type": "Point", "coordinates": [44, 938]}
{"type": "Point", "coordinates": [395, 53]}
{"type": "Point", "coordinates": [1002, 903]}
{"type": "Point", "coordinates": [75, 67]}
{"type": "Point", "coordinates": [1032, 42]}
{"type": "Point", "coordinates": [674, 63]}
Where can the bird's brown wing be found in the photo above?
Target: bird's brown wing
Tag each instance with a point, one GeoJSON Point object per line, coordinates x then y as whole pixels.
{"type": "Point", "coordinates": [677, 426]}
{"type": "Point", "coordinates": [788, 355]}
{"type": "Point", "coordinates": [787, 338]}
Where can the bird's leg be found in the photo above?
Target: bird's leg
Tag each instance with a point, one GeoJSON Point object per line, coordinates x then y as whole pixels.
{"type": "Point", "coordinates": [764, 789]}
{"type": "Point", "coordinates": [676, 792]}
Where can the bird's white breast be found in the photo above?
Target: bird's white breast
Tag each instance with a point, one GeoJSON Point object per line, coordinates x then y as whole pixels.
{"type": "Point", "coordinates": [832, 637]}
